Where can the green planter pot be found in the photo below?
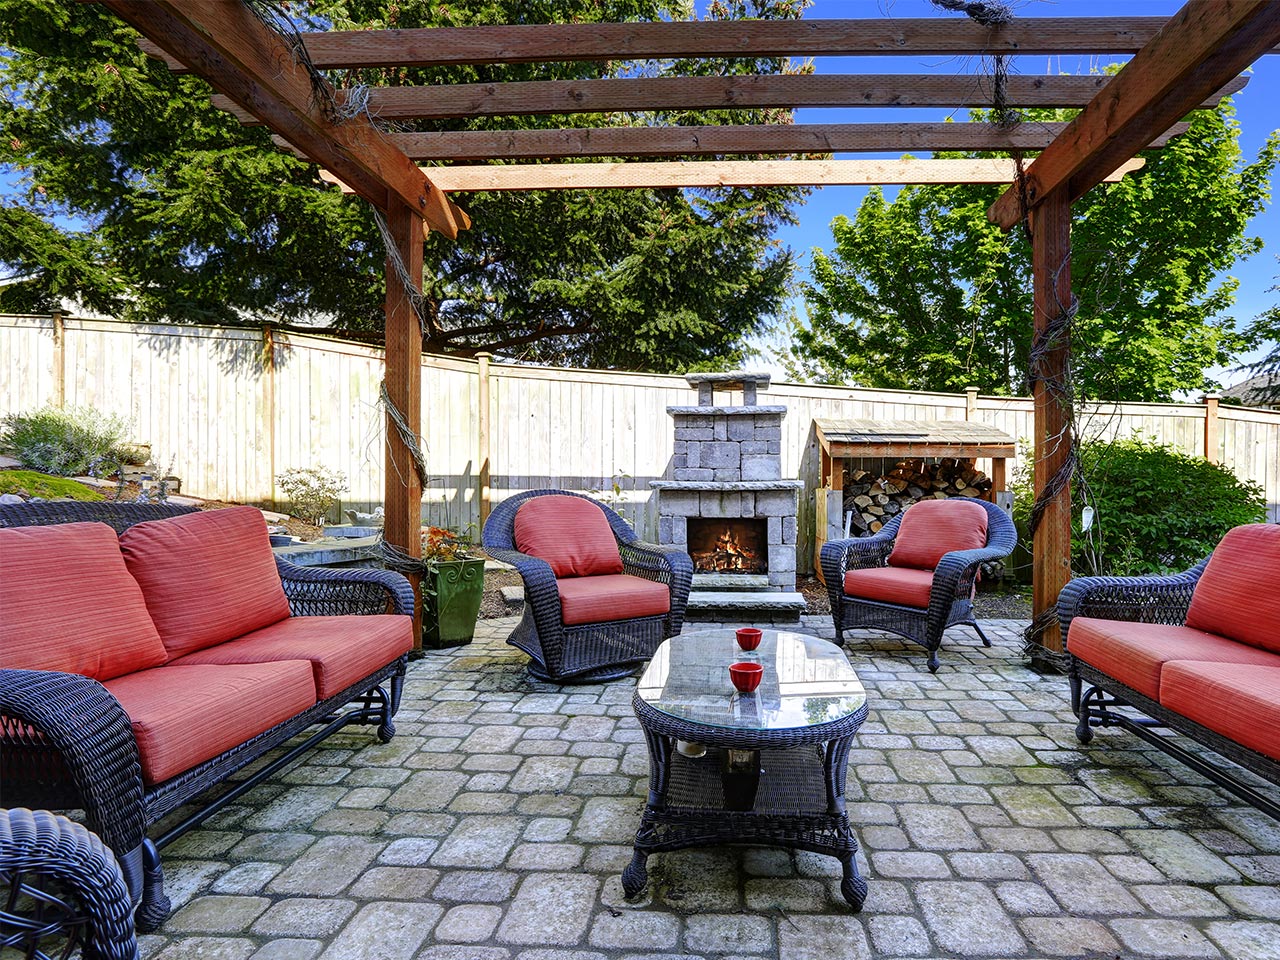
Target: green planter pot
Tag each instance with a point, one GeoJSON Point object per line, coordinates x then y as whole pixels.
{"type": "Point", "coordinates": [451, 603]}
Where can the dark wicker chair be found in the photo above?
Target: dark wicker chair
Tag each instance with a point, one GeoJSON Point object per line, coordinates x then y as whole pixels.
{"type": "Point", "coordinates": [587, 653]}
{"type": "Point", "coordinates": [61, 888]}
{"type": "Point", "coordinates": [1103, 702]}
{"type": "Point", "coordinates": [950, 597]}
{"type": "Point", "coordinates": [65, 742]}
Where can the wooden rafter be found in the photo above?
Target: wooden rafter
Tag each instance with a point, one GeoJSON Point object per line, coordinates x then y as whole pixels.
{"type": "Point", "coordinates": [228, 46]}
{"type": "Point", "coordinates": [528, 43]}
{"type": "Point", "coordinates": [724, 173]}
{"type": "Point", "coordinates": [1206, 42]}
{"type": "Point", "coordinates": [709, 140]}
{"type": "Point", "coordinates": [529, 97]}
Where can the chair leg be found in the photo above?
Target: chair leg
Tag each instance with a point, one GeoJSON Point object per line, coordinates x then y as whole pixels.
{"type": "Point", "coordinates": [934, 663]}
{"type": "Point", "coordinates": [985, 642]}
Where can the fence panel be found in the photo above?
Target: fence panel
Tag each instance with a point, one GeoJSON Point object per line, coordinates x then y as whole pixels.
{"type": "Point", "coordinates": [227, 415]}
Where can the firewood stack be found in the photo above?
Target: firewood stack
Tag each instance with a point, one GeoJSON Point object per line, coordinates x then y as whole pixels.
{"type": "Point", "coordinates": [873, 500]}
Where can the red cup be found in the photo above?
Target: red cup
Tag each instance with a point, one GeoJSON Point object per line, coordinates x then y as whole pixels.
{"type": "Point", "coordinates": [746, 676]}
{"type": "Point", "coordinates": [749, 638]}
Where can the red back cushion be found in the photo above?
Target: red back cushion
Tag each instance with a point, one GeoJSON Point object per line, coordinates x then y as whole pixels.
{"type": "Point", "coordinates": [68, 603]}
{"type": "Point", "coordinates": [932, 528]}
{"type": "Point", "coordinates": [207, 577]}
{"type": "Point", "coordinates": [1238, 595]}
{"type": "Point", "coordinates": [570, 533]}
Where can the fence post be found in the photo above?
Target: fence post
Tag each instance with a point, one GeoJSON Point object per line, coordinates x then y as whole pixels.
{"type": "Point", "coordinates": [59, 358]}
{"type": "Point", "coordinates": [269, 403]}
{"type": "Point", "coordinates": [482, 433]}
{"type": "Point", "coordinates": [971, 403]}
{"type": "Point", "coordinates": [1210, 401]}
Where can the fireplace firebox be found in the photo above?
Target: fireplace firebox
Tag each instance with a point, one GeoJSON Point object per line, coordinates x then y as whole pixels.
{"type": "Point", "coordinates": [728, 546]}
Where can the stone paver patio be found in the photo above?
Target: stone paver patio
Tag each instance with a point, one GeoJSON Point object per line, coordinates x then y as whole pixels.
{"type": "Point", "coordinates": [496, 824]}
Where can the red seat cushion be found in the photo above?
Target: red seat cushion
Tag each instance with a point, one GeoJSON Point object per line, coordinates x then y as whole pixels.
{"type": "Point", "coordinates": [185, 715]}
{"type": "Point", "coordinates": [1238, 594]}
{"type": "Point", "coordinates": [932, 528]}
{"type": "Point", "coordinates": [68, 603]}
{"type": "Point", "coordinates": [1134, 653]}
{"type": "Point", "coordinates": [207, 577]}
{"type": "Point", "coordinates": [342, 650]}
{"type": "Point", "coordinates": [611, 597]}
{"type": "Point", "coordinates": [570, 533]}
{"type": "Point", "coordinates": [904, 586]}
{"type": "Point", "coordinates": [1240, 701]}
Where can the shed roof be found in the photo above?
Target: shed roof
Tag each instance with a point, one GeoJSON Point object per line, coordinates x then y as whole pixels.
{"type": "Point", "coordinates": [924, 438]}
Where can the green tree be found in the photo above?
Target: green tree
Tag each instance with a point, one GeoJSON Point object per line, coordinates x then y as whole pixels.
{"type": "Point", "coordinates": [138, 197]}
{"type": "Point", "coordinates": [1266, 329]}
{"type": "Point", "coordinates": [923, 292]}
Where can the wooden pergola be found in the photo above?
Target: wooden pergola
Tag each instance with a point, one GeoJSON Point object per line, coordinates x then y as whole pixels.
{"type": "Point", "coordinates": [1189, 60]}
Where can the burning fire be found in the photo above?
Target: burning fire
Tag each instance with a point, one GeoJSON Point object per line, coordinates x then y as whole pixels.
{"type": "Point", "coordinates": [728, 555]}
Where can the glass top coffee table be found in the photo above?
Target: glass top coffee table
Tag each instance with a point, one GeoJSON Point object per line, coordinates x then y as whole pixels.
{"type": "Point", "coordinates": [762, 769]}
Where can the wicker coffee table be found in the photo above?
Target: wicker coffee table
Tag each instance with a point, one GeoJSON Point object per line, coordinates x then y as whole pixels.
{"type": "Point", "coordinates": [760, 769]}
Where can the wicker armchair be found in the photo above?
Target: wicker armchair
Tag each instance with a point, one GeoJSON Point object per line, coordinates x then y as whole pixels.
{"type": "Point", "coordinates": [950, 592]}
{"type": "Point", "coordinates": [60, 887]}
{"type": "Point", "coordinates": [587, 652]}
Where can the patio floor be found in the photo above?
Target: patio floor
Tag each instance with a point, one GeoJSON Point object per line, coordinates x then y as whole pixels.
{"type": "Point", "coordinates": [496, 824]}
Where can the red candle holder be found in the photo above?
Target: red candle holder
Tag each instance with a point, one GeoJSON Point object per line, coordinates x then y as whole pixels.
{"type": "Point", "coordinates": [749, 637]}
{"type": "Point", "coordinates": [746, 676]}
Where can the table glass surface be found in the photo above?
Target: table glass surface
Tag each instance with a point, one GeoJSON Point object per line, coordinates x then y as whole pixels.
{"type": "Point", "coordinates": [806, 681]}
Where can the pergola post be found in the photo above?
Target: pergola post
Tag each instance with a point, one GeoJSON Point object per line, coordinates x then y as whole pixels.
{"type": "Point", "coordinates": [403, 374]}
{"type": "Point", "coordinates": [1051, 281]}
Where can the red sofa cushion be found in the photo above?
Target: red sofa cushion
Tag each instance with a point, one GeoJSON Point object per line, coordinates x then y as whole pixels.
{"type": "Point", "coordinates": [570, 533]}
{"type": "Point", "coordinates": [904, 586]}
{"type": "Point", "coordinates": [68, 603]}
{"type": "Point", "coordinates": [1238, 594]}
{"type": "Point", "coordinates": [1241, 701]}
{"type": "Point", "coordinates": [185, 715]}
{"type": "Point", "coordinates": [1135, 653]}
{"type": "Point", "coordinates": [611, 597]}
{"type": "Point", "coordinates": [341, 650]}
{"type": "Point", "coordinates": [207, 577]}
{"type": "Point", "coordinates": [932, 528]}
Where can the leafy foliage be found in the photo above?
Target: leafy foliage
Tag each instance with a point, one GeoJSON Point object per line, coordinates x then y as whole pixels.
{"type": "Point", "coordinates": [1267, 328]}
{"type": "Point", "coordinates": [139, 198]}
{"type": "Point", "coordinates": [924, 293]}
{"type": "Point", "coordinates": [1157, 510]}
{"type": "Point", "coordinates": [312, 491]}
{"type": "Point", "coordinates": [34, 484]}
{"type": "Point", "coordinates": [64, 442]}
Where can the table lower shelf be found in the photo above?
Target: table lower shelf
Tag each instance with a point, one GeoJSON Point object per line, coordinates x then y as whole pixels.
{"type": "Point", "coordinates": [790, 809]}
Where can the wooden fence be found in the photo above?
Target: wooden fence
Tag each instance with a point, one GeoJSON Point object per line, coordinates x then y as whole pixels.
{"type": "Point", "coordinates": [228, 410]}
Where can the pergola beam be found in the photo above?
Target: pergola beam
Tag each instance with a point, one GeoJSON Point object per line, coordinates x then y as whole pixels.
{"type": "Point", "coordinates": [227, 45]}
{"type": "Point", "coordinates": [1206, 42]}
{"type": "Point", "coordinates": [726, 173]}
{"type": "Point", "coordinates": [531, 43]}
{"type": "Point", "coordinates": [813, 138]}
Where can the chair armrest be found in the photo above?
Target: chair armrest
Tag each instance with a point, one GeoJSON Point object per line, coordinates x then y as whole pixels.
{"type": "Point", "coordinates": [540, 593]}
{"type": "Point", "coordinates": [1151, 599]}
{"type": "Point", "coordinates": [665, 563]}
{"type": "Point", "coordinates": [320, 591]}
{"type": "Point", "coordinates": [837, 557]}
{"type": "Point", "coordinates": [67, 742]}
{"type": "Point", "coordinates": [955, 567]}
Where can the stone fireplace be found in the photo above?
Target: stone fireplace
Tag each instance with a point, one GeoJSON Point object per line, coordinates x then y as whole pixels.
{"type": "Point", "coordinates": [727, 506]}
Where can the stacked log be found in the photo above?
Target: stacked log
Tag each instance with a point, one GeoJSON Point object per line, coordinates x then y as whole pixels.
{"type": "Point", "coordinates": [874, 500]}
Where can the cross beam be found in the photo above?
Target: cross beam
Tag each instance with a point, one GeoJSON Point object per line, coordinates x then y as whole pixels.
{"type": "Point", "coordinates": [1200, 48]}
{"type": "Point", "coordinates": [223, 42]}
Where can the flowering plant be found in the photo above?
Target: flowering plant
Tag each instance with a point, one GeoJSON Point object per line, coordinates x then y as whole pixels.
{"type": "Point", "coordinates": [440, 545]}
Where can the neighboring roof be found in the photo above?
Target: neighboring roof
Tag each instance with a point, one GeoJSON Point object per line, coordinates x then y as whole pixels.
{"type": "Point", "coordinates": [1260, 391]}
{"type": "Point", "coordinates": [925, 438]}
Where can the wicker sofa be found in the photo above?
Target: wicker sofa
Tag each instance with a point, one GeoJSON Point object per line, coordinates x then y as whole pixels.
{"type": "Point", "coordinates": [148, 652]}
{"type": "Point", "coordinates": [1198, 652]}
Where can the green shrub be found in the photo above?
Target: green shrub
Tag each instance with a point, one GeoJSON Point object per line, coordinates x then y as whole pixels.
{"type": "Point", "coordinates": [312, 491]}
{"type": "Point", "coordinates": [1157, 510]}
{"type": "Point", "coordinates": [45, 487]}
{"type": "Point", "coordinates": [65, 442]}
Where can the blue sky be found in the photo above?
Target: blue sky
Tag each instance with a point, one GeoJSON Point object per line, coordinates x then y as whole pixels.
{"type": "Point", "coordinates": [1257, 109]}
